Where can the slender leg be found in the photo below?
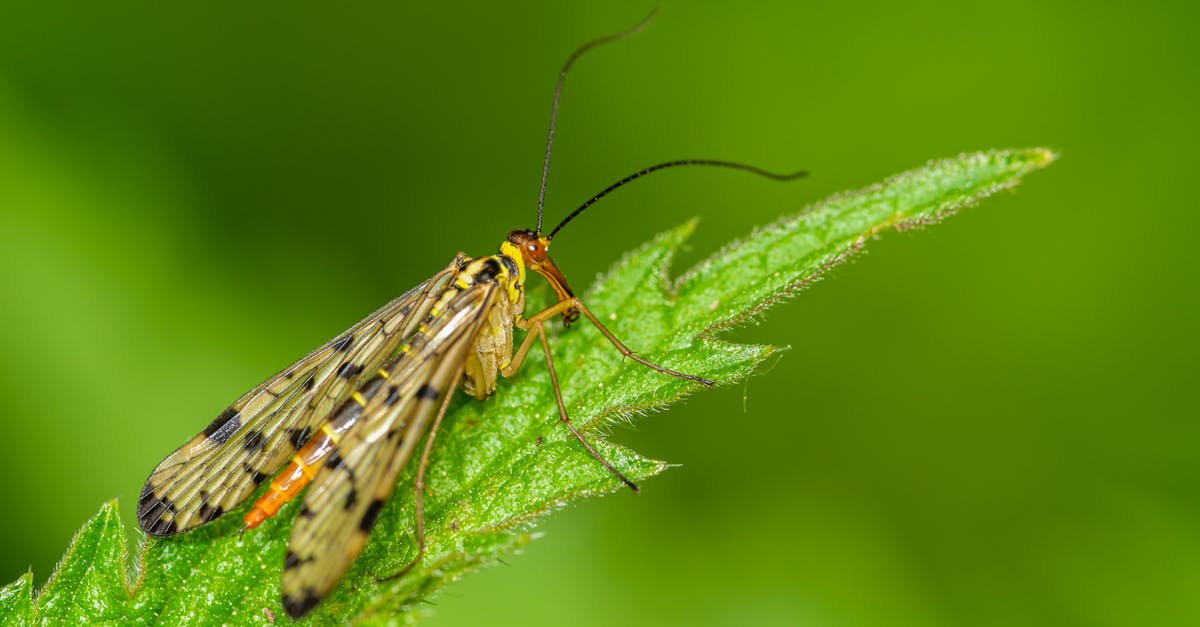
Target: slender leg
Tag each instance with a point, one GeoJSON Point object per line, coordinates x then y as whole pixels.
{"type": "Point", "coordinates": [562, 305]}
{"type": "Point", "coordinates": [535, 325]}
{"type": "Point", "coordinates": [537, 319]}
{"type": "Point", "coordinates": [562, 410]}
{"type": "Point", "coordinates": [419, 485]}
{"type": "Point", "coordinates": [630, 354]}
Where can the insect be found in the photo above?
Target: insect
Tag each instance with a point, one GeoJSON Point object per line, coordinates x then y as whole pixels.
{"type": "Point", "coordinates": [345, 419]}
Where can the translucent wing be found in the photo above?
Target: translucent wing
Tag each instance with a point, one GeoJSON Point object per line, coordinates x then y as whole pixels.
{"type": "Point", "coordinates": [249, 441]}
{"type": "Point", "coordinates": [359, 475]}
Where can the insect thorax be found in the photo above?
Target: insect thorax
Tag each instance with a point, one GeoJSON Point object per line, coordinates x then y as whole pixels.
{"type": "Point", "coordinates": [493, 345]}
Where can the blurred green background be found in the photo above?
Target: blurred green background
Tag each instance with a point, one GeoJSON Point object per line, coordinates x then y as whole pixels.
{"type": "Point", "coordinates": [990, 422]}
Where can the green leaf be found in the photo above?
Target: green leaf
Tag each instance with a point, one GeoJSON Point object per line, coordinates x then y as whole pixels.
{"type": "Point", "coordinates": [500, 464]}
{"type": "Point", "coordinates": [16, 601]}
{"type": "Point", "coordinates": [90, 580]}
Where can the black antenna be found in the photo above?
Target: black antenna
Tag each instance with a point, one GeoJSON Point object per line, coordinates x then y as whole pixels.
{"type": "Point", "coordinates": [558, 91]}
{"type": "Point", "coordinates": [671, 164]}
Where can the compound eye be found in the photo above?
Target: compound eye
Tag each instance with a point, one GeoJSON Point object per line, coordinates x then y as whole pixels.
{"type": "Point", "coordinates": [535, 251]}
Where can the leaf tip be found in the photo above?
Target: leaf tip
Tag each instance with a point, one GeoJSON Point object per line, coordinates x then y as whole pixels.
{"type": "Point", "coordinates": [1021, 161]}
{"type": "Point", "coordinates": [675, 237]}
{"type": "Point", "coordinates": [1041, 157]}
{"type": "Point", "coordinates": [110, 508]}
{"type": "Point", "coordinates": [16, 600]}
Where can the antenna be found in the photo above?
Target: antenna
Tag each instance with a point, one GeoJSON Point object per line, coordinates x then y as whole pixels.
{"type": "Point", "coordinates": [562, 76]}
{"type": "Point", "coordinates": [671, 164]}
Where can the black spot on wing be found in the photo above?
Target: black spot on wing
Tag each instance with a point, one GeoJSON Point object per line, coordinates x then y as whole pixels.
{"type": "Point", "coordinates": [299, 605]}
{"type": "Point", "coordinates": [162, 528]}
{"type": "Point", "coordinates": [351, 498]}
{"type": "Point", "coordinates": [255, 476]}
{"type": "Point", "coordinates": [152, 512]}
{"type": "Point", "coordinates": [348, 370]}
{"type": "Point", "coordinates": [334, 461]}
{"type": "Point", "coordinates": [369, 516]}
{"type": "Point", "coordinates": [343, 344]}
{"type": "Point", "coordinates": [209, 513]}
{"type": "Point", "coordinates": [369, 389]}
{"type": "Point", "coordinates": [223, 426]}
{"type": "Point", "coordinates": [309, 383]}
{"type": "Point", "coordinates": [427, 392]}
{"type": "Point", "coordinates": [306, 512]}
{"type": "Point", "coordinates": [298, 436]}
{"type": "Point", "coordinates": [393, 395]}
{"type": "Point", "coordinates": [291, 560]}
{"type": "Point", "coordinates": [254, 441]}
{"type": "Point", "coordinates": [147, 498]}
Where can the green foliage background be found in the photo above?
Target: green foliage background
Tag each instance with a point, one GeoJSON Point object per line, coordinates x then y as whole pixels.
{"type": "Point", "coordinates": [985, 423]}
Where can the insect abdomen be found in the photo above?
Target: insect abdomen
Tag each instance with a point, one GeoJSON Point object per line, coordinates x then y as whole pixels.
{"type": "Point", "coordinates": [303, 467]}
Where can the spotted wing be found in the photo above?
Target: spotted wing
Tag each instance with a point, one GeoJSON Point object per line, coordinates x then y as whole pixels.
{"type": "Point", "coordinates": [249, 441]}
{"type": "Point", "coordinates": [349, 490]}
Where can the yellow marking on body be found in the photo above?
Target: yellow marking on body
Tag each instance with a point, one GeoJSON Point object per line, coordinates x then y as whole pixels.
{"type": "Point", "coordinates": [406, 349]}
{"type": "Point", "coordinates": [515, 288]}
{"type": "Point", "coordinates": [383, 373]}
{"type": "Point", "coordinates": [309, 471]}
{"type": "Point", "coordinates": [358, 398]}
{"type": "Point", "coordinates": [511, 251]}
{"type": "Point", "coordinates": [438, 306]}
{"type": "Point", "coordinates": [421, 328]}
{"type": "Point", "coordinates": [328, 430]}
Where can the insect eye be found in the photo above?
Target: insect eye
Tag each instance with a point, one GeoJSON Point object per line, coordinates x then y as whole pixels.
{"type": "Point", "coordinates": [535, 251]}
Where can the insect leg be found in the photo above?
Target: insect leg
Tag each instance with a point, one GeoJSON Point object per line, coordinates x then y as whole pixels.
{"type": "Point", "coordinates": [419, 486]}
{"type": "Point", "coordinates": [562, 305]}
{"type": "Point", "coordinates": [539, 328]}
{"type": "Point", "coordinates": [578, 304]}
{"type": "Point", "coordinates": [536, 326]}
{"type": "Point", "coordinates": [518, 357]}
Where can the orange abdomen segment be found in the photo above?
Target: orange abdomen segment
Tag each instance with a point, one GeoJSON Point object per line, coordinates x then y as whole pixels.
{"type": "Point", "coordinates": [303, 467]}
{"type": "Point", "coordinates": [288, 483]}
